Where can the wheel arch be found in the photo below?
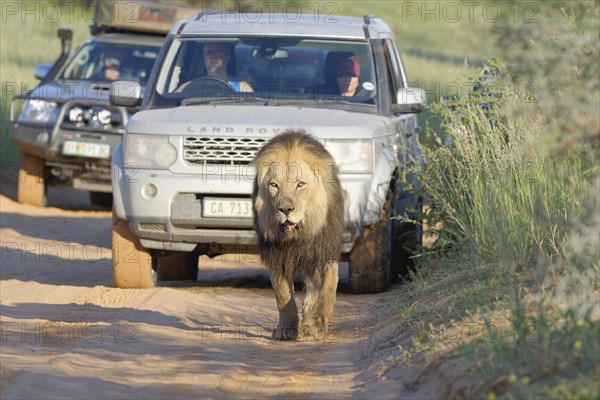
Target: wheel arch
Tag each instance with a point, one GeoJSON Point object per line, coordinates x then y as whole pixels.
{"type": "Point", "coordinates": [118, 182]}
{"type": "Point", "coordinates": [386, 163]}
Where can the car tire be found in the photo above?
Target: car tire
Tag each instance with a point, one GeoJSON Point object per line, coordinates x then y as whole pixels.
{"type": "Point", "coordinates": [408, 242]}
{"type": "Point", "coordinates": [101, 199]}
{"type": "Point", "coordinates": [32, 188]}
{"type": "Point", "coordinates": [175, 266]}
{"type": "Point", "coordinates": [132, 263]}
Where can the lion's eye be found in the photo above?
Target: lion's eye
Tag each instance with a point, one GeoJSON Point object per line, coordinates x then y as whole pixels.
{"type": "Point", "coordinates": [274, 185]}
{"type": "Point", "coordinates": [300, 185]}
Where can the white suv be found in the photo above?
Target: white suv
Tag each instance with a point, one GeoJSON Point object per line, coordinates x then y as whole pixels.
{"type": "Point", "coordinates": [183, 175]}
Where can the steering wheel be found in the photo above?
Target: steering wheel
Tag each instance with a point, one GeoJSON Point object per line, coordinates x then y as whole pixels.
{"type": "Point", "coordinates": [209, 86]}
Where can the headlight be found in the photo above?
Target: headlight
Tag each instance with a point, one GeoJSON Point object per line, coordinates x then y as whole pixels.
{"type": "Point", "coordinates": [352, 156]}
{"type": "Point", "coordinates": [39, 111]}
{"type": "Point", "coordinates": [149, 151]}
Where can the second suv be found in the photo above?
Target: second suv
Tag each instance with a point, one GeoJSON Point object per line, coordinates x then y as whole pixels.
{"type": "Point", "coordinates": [66, 129]}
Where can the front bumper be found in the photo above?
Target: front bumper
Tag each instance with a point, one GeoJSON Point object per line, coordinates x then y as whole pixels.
{"type": "Point", "coordinates": [172, 218]}
{"type": "Point", "coordinates": [47, 142]}
{"type": "Point", "coordinates": [78, 171]}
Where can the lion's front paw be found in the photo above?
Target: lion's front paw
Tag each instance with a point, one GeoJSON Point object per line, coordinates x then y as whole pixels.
{"type": "Point", "coordinates": [314, 329]}
{"type": "Point", "coordinates": [285, 333]}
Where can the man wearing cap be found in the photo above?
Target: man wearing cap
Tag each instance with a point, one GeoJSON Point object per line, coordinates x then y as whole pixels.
{"type": "Point", "coordinates": [348, 72]}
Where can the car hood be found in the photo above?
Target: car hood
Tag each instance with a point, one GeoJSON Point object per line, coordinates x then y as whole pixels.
{"type": "Point", "coordinates": [61, 91]}
{"type": "Point", "coordinates": [258, 121]}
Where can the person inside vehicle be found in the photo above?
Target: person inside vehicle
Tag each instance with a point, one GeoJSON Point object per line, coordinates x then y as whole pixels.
{"type": "Point", "coordinates": [348, 73]}
{"type": "Point", "coordinates": [216, 59]}
{"type": "Point", "coordinates": [112, 69]}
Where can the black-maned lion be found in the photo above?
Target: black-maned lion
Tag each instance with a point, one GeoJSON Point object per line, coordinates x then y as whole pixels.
{"type": "Point", "coordinates": [299, 217]}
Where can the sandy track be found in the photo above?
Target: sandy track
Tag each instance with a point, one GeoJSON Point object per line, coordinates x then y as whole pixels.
{"type": "Point", "coordinates": [66, 332]}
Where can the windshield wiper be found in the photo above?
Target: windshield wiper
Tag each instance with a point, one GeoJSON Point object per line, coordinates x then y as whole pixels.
{"type": "Point", "coordinates": [238, 100]}
{"type": "Point", "coordinates": [268, 102]}
{"type": "Point", "coordinates": [212, 101]}
{"type": "Point", "coordinates": [290, 102]}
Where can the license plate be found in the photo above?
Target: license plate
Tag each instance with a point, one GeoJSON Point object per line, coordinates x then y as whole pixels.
{"type": "Point", "coordinates": [228, 208]}
{"type": "Point", "coordinates": [86, 149]}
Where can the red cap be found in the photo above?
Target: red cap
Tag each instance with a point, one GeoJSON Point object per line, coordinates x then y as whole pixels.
{"type": "Point", "coordinates": [348, 66]}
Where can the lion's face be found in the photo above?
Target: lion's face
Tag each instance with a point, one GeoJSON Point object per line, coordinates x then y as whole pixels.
{"type": "Point", "coordinates": [291, 200]}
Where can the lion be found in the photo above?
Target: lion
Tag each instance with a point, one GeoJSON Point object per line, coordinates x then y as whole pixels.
{"type": "Point", "coordinates": [298, 208]}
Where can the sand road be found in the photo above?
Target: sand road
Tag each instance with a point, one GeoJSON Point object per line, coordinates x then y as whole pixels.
{"type": "Point", "coordinates": [66, 332]}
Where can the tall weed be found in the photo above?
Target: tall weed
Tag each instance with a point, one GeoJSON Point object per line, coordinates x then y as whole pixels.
{"type": "Point", "coordinates": [495, 189]}
{"type": "Point", "coordinates": [505, 190]}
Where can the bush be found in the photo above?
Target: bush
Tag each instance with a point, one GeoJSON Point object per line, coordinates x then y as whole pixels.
{"type": "Point", "coordinates": [496, 188]}
{"type": "Point", "coordinates": [513, 181]}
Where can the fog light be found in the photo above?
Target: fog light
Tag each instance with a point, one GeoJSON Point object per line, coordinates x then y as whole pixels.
{"type": "Point", "coordinates": [149, 191]}
{"type": "Point", "coordinates": [104, 117]}
{"type": "Point", "coordinates": [42, 137]}
{"type": "Point", "coordinates": [76, 115]}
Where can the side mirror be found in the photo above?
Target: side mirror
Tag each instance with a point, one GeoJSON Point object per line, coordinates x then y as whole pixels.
{"type": "Point", "coordinates": [125, 94]}
{"type": "Point", "coordinates": [41, 70]}
{"type": "Point", "coordinates": [410, 100]}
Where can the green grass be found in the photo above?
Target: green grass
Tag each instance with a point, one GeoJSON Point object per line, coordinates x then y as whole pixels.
{"type": "Point", "coordinates": [28, 38]}
{"type": "Point", "coordinates": [515, 200]}
{"type": "Point", "coordinates": [497, 193]}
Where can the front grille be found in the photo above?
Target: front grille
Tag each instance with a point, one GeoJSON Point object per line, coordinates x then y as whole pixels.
{"type": "Point", "coordinates": [233, 151]}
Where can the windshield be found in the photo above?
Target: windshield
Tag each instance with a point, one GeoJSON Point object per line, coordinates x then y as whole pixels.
{"type": "Point", "coordinates": [96, 61]}
{"type": "Point", "coordinates": [273, 70]}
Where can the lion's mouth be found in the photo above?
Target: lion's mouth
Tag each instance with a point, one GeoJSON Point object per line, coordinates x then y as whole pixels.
{"type": "Point", "coordinates": [289, 226]}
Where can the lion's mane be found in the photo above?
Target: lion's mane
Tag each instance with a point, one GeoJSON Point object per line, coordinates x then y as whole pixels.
{"type": "Point", "coordinates": [318, 241]}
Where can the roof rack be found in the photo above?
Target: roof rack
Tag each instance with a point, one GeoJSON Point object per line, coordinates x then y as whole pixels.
{"type": "Point", "coordinates": [138, 16]}
{"type": "Point", "coordinates": [367, 18]}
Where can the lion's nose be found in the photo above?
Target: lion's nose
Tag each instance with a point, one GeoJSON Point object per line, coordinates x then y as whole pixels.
{"type": "Point", "coordinates": [286, 205]}
{"type": "Point", "coordinates": [286, 210]}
